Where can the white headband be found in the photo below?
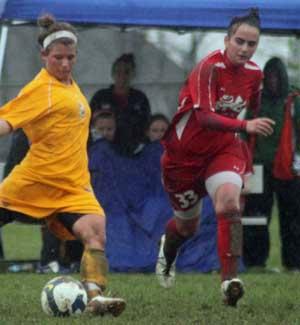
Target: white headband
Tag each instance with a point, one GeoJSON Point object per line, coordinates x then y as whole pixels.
{"type": "Point", "coordinates": [61, 34]}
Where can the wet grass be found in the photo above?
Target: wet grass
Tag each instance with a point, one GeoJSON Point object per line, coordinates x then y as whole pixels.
{"type": "Point", "coordinates": [270, 298]}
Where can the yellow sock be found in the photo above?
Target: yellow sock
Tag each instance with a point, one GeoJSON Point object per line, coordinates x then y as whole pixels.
{"type": "Point", "coordinates": [93, 271]}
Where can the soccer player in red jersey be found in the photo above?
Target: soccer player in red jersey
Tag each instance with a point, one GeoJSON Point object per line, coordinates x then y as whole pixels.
{"type": "Point", "coordinates": [204, 155]}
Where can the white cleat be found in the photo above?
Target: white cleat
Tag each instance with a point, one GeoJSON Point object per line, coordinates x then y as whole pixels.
{"type": "Point", "coordinates": [232, 291]}
{"type": "Point", "coordinates": [101, 306]}
{"type": "Point", "coordinates": [165, 273]}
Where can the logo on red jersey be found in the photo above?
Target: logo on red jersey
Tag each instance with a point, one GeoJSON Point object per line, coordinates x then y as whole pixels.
{"type": "Point", "coordinates": [228, 105]}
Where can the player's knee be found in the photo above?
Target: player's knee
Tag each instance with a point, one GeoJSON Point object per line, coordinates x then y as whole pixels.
{"type": "Point", "coordinates": [188, 229]}
{"type": "Point", "coordinates": [91, 232]}
{"type": "Point", "coordinates": [188, 232]}
{"type": "Point", "coordinates": [228, 206]}
{"type": "Point", "coordinates": [227, 199]}
{"type": "Point", "coordinates": [90, 235]}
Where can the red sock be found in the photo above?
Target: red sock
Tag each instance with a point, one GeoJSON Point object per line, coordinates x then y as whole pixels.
{"type": "Point", "coordinates": [173, 241]}
{"type": "Point", "coordinates": [229, 245]}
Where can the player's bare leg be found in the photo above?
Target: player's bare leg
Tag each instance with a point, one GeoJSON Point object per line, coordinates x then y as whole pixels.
{"type": "Point", "coordinates": [94, 269]}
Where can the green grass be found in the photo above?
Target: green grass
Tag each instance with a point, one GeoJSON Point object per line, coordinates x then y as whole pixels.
{"type": "Point", "coordinates": [21, 241]}
{"type": "Point", "coordinates": [270, 298]}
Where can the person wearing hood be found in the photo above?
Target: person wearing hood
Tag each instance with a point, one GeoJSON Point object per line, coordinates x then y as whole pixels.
{"type": "Point", "coordinates": [280, 156]}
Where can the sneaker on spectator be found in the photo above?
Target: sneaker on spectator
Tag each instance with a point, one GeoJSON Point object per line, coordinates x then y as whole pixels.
{"type": "Point", "coordinates": [232, 291]}
{"type": "Point", "coordinates": [165, 273]}
{"type": "Point", "coordinates": [262, 269]}
{"type": "Point", "coordinates": [75, 267]}
{"type": "Point", "coordinates": [293, 270]}
{"type": "Point", "coordinates": [100, 306]}
{"type": "Point", "coordinates": [52, 267]}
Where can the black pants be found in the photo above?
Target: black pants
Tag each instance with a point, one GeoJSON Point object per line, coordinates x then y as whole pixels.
{"type": "Point", "coordinates": [50, 250]}
{"type": "Point", "coordinates": [53, 249]}
{"type": "Point", "coordinates": [1, 248]}
{"type": "Point", "coordinates": [51, 245]}
{"type": "Point", "coordinates": [256, 244]}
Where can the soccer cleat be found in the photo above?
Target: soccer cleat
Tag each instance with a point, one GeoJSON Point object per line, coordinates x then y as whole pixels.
{"type": "Point", "coordinates": [165, 273]}
{"type": "Point", "coordinates": [232, 290]}
{"type": "Point", "coordinates": [100, 306]}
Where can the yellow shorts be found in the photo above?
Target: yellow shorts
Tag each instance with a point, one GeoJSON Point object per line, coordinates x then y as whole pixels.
{"type": "Point", "coordinates": [45, 200]}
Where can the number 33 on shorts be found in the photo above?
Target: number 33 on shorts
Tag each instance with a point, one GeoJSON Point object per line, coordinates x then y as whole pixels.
{"type": "Point", "coordinates": [186, 199]}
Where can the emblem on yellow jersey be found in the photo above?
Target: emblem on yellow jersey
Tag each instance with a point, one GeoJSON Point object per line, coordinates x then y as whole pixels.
{"type": "Point", "coordinates": [81, 110]}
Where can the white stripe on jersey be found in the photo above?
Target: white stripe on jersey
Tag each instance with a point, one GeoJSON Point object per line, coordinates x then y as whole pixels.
{"type": "Point", "coordinates": [251, 66]}
{"type": "Point", "coordinates": [182, 103]}
{"type": "Point", "coordinates": [220, 65]}
{"type": "Point", "coordinates": [209, 91]}
{"type": "Point", "coordinates": [198, 103]}
{"type": "Point", "coordinates": [180, 126]}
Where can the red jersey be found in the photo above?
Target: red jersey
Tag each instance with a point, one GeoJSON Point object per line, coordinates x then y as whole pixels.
{"type": "Point", "coordinates": [209, 102]}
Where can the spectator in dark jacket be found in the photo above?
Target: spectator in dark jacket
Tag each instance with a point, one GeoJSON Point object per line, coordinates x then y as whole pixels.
{"type": "Point", "coordinates": [280, 156]}
{"type": "Point", "coordinates": [131, 106]}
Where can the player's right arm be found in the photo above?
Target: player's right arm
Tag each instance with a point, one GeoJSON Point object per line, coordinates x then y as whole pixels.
{"type": "Point", "coordinates": [5, 127]}
{"type": "Point", "coordinates": [203, 85]}
{"type": "Point", "coordinates": [203, 88]}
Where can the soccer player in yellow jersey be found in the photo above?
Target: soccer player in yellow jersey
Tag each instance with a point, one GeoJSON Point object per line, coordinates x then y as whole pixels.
{"type": "Point", "coordinates": [52, 183]}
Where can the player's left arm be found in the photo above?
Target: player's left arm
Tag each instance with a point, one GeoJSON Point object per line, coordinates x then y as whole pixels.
{"type": "Point", "coordinates": [213, 121]}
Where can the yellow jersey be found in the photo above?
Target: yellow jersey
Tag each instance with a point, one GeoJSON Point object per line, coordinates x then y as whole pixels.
{"type": "Point", "coordinates": [53, 177]}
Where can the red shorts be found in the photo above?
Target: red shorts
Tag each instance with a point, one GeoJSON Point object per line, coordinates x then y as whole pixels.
{"type": "Point", "coordinates": [185, 182]}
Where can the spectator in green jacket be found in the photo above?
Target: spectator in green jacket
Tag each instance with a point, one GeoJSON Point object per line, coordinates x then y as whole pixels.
{"type": "Point", "coordinates": [280, 156]}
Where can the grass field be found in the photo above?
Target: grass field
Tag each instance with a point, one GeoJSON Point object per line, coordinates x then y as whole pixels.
{"type": "Point", "coordinates": [270, 298]}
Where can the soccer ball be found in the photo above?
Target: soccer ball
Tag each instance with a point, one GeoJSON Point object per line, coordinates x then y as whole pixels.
{"type": "Point", "coordinates": [63, 296]}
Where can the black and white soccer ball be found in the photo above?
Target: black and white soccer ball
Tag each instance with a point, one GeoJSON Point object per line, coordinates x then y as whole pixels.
{"type": "Point", "coordinates": [63, 296]}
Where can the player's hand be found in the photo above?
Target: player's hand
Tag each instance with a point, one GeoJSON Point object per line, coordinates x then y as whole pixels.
{"type": "Point", "coordinates": [262, 126]}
